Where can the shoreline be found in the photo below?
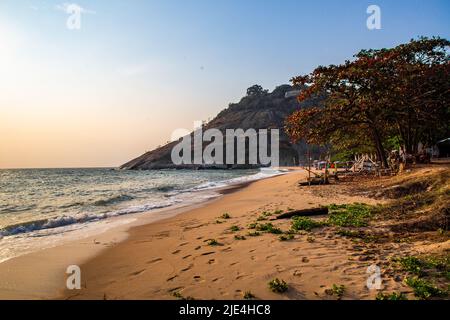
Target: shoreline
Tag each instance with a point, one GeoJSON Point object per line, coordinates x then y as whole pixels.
{"type": "Point", "coordinates": [175, 257]}
{"type": "Point", "coordinates": [172, 257]}
{"type": "Point", "coordinates": [27, 276]}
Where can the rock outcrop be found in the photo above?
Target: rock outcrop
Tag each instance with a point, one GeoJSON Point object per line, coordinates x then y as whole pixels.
{"type": "Point", "coordinates": [258, 110]}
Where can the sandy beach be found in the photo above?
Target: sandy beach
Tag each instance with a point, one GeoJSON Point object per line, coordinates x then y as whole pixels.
{"type": "Point", "coordinates": [173, 257]}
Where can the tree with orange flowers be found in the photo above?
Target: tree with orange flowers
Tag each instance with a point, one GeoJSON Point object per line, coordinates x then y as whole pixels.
{"type": "Point", "coordinates": [383, 94]}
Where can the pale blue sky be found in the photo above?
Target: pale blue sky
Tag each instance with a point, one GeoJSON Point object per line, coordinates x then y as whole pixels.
{"type": "Point", "coordinates": [137, 70]}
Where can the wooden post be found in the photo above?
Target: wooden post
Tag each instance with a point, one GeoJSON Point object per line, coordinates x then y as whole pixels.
{"type": "Point", "coordinates": [309, 165]}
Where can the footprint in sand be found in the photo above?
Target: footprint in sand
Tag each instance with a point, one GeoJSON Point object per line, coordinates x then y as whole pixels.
{"type": "Point", "coordinates": [185, 257]}
{"type": "Point", "coordinates": [233, 264]}
{"type": "Point", "coordinates": [154, 261]}
{"type": "Point", "coordinates": [171, 278]}
{"type": "Point", "coordinates": [183, 244]}
{"type": "Point", "coordinates": [187, 268]}
{"type": "Point", "coordinates": [208, 253]}
{"type": "Point", "coordinates": [176, 251]}
{"type": "Point", "coordinates": [136, 273]}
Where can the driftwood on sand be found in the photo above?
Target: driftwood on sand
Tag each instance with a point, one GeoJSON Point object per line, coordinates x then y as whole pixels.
{"type": "Point", "coordinates": [304, 213]}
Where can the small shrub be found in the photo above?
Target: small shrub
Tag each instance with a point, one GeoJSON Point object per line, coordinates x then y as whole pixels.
{"type": "Point", "coordinates": [304, 223]}
{"type": "Point", "coordinates": [392, 296]}
{"type": "Point", "coordinates": [234, 229]}
{"type": "Point", "coordinates": [238, 237]}
{"type": "Point", "coordinates": [424, 289]}
{"type": "Point", "coordinates": [311, 239]}
{"type": "Point", "coordinates": [413, 265]}
{"type": "Point", "coordinates": [178, 295]}
{"type": "Point", "coordinates": [248, 295]}
{"type": "Point", "coordinates": [286, 237]}
{"type": "Point", "coordinates": [254, 234]}
{"type": "Point", "coordinates": [268, 227]}
{"type": "Point", "coordinates": [349, 215]}
{"type": "Point", "coordinates": [278, 286]}
{"type": "Point", "coordinates": [337, 291]}
{"type": "Point", "coordinates": [212, 242]}
{"type": "Point", "coordinates": [226, 216]}
{"type": "Point", "coordinates": [252, 225]}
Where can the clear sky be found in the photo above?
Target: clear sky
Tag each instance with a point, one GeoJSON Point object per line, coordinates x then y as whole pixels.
{"type": "Point", "coordinates": [137, 70]}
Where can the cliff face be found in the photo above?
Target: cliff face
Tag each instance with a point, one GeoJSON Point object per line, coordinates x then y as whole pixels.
{"type": "Point", "coordinates": [258, 110]}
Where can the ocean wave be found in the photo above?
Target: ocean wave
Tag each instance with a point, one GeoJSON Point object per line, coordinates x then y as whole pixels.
{"type": "Point", "coordinates": [15, 209]}
{"type": "Point", "coordinates": [113, 200]}
{"type": "Point", "coordinates": [173, 197]}
{"type": "Point", "coordinates": [262, 174]}
{"type": "Point", "coordinates": [63, 221]}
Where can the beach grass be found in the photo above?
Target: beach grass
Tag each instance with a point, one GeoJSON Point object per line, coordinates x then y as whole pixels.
{"type": "Point", "coordinates": [424, 289]}
{"type": "Point", "coordinates": [304, 223]}
{"type": "Point", "coordinates": [349, 215]}
{"type": "Point", "coordinates": [278, 286]}
{"type": "Point", "coordinates": [393, 296]}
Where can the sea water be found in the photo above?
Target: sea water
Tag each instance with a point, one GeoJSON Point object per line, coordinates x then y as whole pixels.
{"type": "Point", "coordinates": [41, 207]}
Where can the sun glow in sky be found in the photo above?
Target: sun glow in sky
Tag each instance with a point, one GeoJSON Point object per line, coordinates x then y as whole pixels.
{"type": "Point", "coordinates": [138, 70]}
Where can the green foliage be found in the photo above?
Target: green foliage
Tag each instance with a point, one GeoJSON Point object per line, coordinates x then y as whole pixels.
{"type": "Point", "coordinates": [238, 237]}
{"type": "Point", "coordinates": [378, 88]}
{"type": "Point", "coordinates": [336, 290]}
{"type": "Point", "coordinates": [178, 295]}
{"type": "Point", "coordinates": [278, 286]}
{"type": "Point", "coordinates": [349, 215]}
{"type": "Point", "coordinates": [392, 296]}
{"type": "Point", "coordinates": [413, 265]}
{"type": "Point", "coordinates": [256, 90]}
{"type": "Point", "coordinates": [234, 229]}
{"type": "Point", "coordinates": [426, 266]}
{"type": "Point", "coordinates": [424, 289]}
{"type": "Point", "coordinates": [225, 216]}
{"type": "Point", "coordinates": [286, 237]}
{"type": "Point", "coordinates": [254, 234]}
{"type": "Point", "coordinates": [212, 242]}
{"type": "Point", "coordinates": [248, 295]}
{"type": "Point", "coordinates": [268, 227]}
{"type": "Point", "coordinates": [304, 223]}
{"type": "Point", "coordinates": [252, 225]}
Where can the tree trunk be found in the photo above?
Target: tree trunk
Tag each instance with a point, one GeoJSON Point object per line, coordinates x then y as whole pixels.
{"type": "Point", "coordinates": [379, 147]}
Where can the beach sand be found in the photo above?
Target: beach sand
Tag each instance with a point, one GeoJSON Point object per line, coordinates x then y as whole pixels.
{"type": "Point", "coordinates": [172, 256]}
